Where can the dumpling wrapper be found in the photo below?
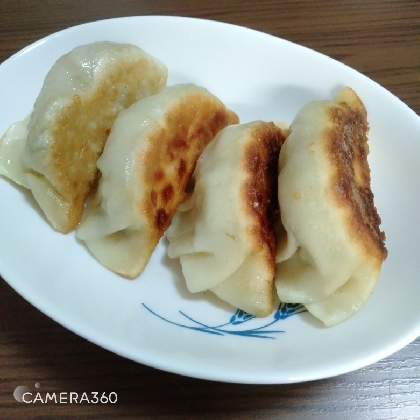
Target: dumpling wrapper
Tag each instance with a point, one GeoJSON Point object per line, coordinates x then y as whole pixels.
{"type": "Point", "coordinates": [330, 254]}
{"type": "Point", "coordinates": [147, 162]}
{"type": "Point", "coordinates": [223, 233]}
{"type": "Point", "coordinates": [54, 152]}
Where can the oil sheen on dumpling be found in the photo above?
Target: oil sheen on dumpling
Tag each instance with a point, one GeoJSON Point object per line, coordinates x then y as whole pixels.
{"type": "Point", "coordinates": [331, 253]}
{"type": "Point", "coordinates": [224, 232]}
{"type": "Point", "coordinates": [54, 153]}
{"type": "Point", "coordinates": [147, 162]}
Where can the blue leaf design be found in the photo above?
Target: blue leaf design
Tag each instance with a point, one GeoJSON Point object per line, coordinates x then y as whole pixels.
{"type": "Point", "coordinates": [288, 309]}
{"type": "Point", "coordinates": [285, 310]}
{"type": "Point", "coordinates": [239, 317]}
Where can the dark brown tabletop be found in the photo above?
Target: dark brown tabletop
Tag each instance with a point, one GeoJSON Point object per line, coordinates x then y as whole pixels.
{"type": "Point", "coordinates": [379, 38]}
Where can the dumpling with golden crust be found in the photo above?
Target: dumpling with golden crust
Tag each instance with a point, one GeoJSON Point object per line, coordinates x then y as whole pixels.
{"type": "Point", "coordinates": [223, 233]}
{"type": "Point", "coordinates": [54, 153]}
{"type": "Point", "coordinates": [147, 162]}
{"type": "Point", "coordinates": [331, 252]}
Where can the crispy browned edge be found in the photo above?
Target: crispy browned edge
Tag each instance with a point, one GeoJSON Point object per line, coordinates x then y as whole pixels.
{"type": "Point", "coordinates": [260, 188]}
{"type": "Point", "coordinates": [77, 143]}
{"type": "Point", "coordinates": [173, 153]}
{"type": "Point", "coordinates": [347, 149]}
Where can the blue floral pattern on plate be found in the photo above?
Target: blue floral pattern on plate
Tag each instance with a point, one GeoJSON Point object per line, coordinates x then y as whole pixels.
{"type": "Point", "coordinates": [284, 311]}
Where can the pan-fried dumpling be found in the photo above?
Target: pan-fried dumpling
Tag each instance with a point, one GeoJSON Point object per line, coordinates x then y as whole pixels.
{"type": "Point", "coordinates": [147, 162]}
{"type": "Point", "coordinates": [331, 252]}
{"type": "Point", "coordinates": [12, 146]}
{"type": "Point", "coordinates": [224, 232]}
{"type": "Point", "coordinates": [54, 153]}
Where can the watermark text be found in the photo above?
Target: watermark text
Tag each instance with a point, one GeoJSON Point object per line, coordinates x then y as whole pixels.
{"type": "Point", "coordinates": [25, 395]}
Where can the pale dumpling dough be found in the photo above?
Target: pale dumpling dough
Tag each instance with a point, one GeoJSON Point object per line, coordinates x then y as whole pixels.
{"type": "Point", "coordinates": [223, 233]}
{"type": "Point", "coordinates": [145, 167]}
{"type": "Point", "coordinates": [54, 152]}
{"type": "Point", "coordinates": [331, 250]}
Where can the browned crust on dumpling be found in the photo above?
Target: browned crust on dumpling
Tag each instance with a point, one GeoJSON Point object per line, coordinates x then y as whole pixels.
{"type": "Point", "coordinates": [173, 151]}
{"type": "Point", "coordinates": [260, 188]}
{"type": "Point", "coordinates": [80, 131]}
{"type": "Point", "coordinates": [347, 150]}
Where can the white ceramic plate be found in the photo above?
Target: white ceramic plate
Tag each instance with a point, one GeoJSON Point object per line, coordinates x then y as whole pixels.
{"type": "Point", "coordinates": [153, 319]}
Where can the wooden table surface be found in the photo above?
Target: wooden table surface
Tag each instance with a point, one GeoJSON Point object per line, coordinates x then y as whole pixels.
{"type": "Point", "coordinates": [380, 38]}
